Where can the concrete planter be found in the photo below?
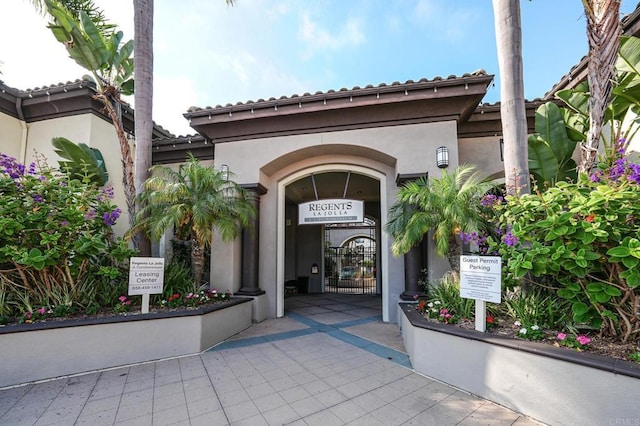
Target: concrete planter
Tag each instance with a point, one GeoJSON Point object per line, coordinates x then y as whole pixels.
{"type": "Point", "coordinates": [40, 351]}
{"type": "Point", "coordinates": [553, 385]}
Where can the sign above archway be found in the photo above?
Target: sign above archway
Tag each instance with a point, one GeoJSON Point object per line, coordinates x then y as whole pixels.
{"type": "Point", "coordinates": [338, 210]}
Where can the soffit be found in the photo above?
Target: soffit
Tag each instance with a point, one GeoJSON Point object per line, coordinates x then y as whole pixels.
{"type": "Point", "coordinates": [486, 120]}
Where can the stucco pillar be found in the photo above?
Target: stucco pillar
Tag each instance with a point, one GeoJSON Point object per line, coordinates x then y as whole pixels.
{"type": "Point", "coordinates": [413, 260]}
{"type": "Point", "coordinates": [250, 285]}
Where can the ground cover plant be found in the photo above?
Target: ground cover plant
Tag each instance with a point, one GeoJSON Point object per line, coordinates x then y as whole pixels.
{"type": "Point", "coordinates": [537, 315]}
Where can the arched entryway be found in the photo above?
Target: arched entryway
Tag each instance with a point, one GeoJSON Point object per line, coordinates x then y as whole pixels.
{"type": "Point", "coordinates": [302, 248]}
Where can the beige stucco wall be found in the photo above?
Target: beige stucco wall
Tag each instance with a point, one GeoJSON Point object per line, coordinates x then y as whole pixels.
{"type": "Point", "coordinates": [12, 134]}
{"type": "Point", "coordinates": [412, 148]}
{"type": "Point", "coordinates": [412, 145]}
{"type": "Point", "coordinates": [484, 152]}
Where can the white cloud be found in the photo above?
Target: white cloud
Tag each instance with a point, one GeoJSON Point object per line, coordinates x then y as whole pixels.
{"type": "Point", "coordinates": [317, 38]}
{"type": "Point", "coordinates": [31, 55]}
{"type": "Point", "coordinates": [444, 20]}
{"type": "Point", "coordinates": [171, 98]}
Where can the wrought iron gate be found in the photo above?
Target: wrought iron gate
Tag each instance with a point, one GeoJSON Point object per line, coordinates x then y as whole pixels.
{"type": "Point", "coordinates": [352, 267]}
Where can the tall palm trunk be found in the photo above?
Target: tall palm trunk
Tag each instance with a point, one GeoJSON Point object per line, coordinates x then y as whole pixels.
{"type": "Point", "coordinates": [512, 108]}
{"type": "Point", "coordinates": [603, 31]}
{"type": "Point", "coordinates": [143, 94]}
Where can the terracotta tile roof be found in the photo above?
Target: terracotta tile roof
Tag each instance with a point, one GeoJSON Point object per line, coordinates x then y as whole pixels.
{"type": "Point", "coordinates": [356, 91]}
{"type": "Point", "coordinates": [78, 85]}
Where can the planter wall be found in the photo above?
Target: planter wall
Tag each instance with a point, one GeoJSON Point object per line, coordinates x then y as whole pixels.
{"type": "Point", "coordinates": [40, 351]}
{"type": "Point", "coordinates": [553, 385]}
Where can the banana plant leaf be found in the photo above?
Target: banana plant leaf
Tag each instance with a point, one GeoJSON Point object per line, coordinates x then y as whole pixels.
{"type": "Point", "coordinates": [542, 160]}
{"type": "Point", "coordinates": [551, 127]}
{"type": "Point", "coordinates": [82, 161]}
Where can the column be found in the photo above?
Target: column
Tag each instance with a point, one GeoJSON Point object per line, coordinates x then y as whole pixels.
{"type": "Point", "coordinates": [413, 260]}
{"type": "Point", "coordinates": [412, 272]}
{"type": "Point", "coordinates": [250, 285]}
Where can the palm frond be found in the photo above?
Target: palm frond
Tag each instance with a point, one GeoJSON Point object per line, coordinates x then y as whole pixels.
{"type": "Point", "coordinates": [446, 205]}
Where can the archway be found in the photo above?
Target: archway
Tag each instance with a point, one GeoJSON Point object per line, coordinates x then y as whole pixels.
{"type": "Point", "coordinates": [289, 190]}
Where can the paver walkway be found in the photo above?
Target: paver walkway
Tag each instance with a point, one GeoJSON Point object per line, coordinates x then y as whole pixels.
{"type": "Point", "coordinates": [329, 362]}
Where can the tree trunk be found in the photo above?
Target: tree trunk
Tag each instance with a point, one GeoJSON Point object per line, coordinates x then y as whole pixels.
{"type": "Point", "coordinates": [197, 261]}
{"type": "Point", "coordinates": [125, 151]}
{"type": "Point", "coordinates": [512, 108]}
{"type": "Point", "coordinates": [603, 31]}
{"type": "Point", "coordinates": [454, 254]}
{"type": "Point", "coordinates": [143, 95]}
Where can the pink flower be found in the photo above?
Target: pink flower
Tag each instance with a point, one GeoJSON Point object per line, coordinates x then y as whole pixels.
{"type": "Point", "coordinates": [122, 299]}
{"type": "Point", "coordinates": [562, 336]}
{"type": "Point", "coordinates": [583, 340]}
{"type": "Point", "coordinates": [42, 310]}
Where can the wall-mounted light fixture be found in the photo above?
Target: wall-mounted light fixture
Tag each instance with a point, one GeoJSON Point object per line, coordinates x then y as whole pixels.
{"type": "Point", "coordinates": [225, 172]}
{"type": "Point", "coordinates": [501, 149]}
{"type": "Point", "coordinates": [442, 157]}
{"type": "Point", "coordinates": [314, 268]}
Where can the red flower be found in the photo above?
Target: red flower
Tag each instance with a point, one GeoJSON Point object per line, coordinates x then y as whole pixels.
{"type": "Point", "coordinates": [490, 319]}
{"type": "Point", "coordinates": [590, 218]}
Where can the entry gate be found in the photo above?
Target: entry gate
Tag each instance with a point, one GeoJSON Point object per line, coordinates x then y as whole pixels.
{"type": "Point", "coordinates": [351, 268]}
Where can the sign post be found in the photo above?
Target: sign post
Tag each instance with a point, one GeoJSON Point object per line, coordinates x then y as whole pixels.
{"type": "Point", "coordinates": [146, 276]}
{"type": "Point", "coordinates": [481, 279]}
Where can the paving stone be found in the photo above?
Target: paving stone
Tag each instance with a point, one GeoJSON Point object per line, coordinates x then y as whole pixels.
{"type": "Point", "coordinates": [307, 370]}
{"type": "Point", "coordinates": [281, 415]}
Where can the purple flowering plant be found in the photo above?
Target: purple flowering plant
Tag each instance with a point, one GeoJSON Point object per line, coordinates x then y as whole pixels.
{"type": "Point", "coordinates": [55, 232]}
{"type": "Point", "coordinates": [583, 237]}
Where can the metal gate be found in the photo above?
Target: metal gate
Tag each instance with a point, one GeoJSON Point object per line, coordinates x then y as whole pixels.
{"type": "Point", "coordinates": [351, 268]}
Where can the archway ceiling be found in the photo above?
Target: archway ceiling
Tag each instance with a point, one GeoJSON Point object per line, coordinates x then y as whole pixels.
{"type": "Point", "coordinates": [331, 185]}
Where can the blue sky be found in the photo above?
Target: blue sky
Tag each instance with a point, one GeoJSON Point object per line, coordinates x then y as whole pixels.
{"type": "Point", "coordinates": [207, 53]}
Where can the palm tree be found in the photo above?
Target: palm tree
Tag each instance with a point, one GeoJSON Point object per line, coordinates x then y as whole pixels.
{"type": "Point", "coordinates": [603, 32]}
{"type": "Point", "coordinates": [143, 64]}
{"type": "Point", "coordinates": [448, 206]}
{"type": "Point", "coordinates": [512, 109]}
{"type": "Point", "coordinates": [143, 95]}
{"type": "Point", "coordinates": [96, 46]}
{"type": "Point", "coordinates": [195, 199]}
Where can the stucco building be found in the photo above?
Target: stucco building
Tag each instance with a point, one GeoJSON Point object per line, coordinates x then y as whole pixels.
{"type": "Point", "coordinates": [354, 144]}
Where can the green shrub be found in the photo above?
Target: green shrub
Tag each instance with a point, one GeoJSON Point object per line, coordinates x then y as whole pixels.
{"type": "Point", "coordinates": [585, 237]}
{"type": "Point", "coordinates": [55, 234]}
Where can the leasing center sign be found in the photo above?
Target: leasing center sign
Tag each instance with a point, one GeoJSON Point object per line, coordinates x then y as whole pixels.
{"type": "Point", "coordinates": [337, 210]}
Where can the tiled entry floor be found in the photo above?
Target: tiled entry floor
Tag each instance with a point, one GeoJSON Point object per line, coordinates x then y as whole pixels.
{"type": "Point", "coordinates": [310, 368]}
